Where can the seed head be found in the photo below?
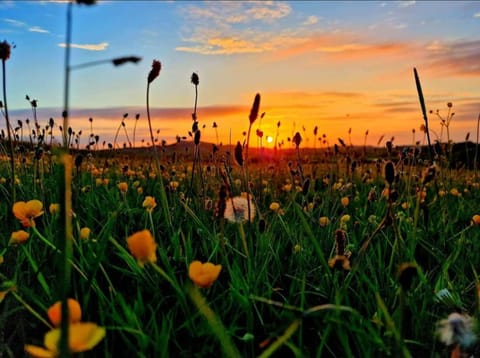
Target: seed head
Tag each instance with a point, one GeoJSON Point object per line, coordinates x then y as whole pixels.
{"type": "Point", "coordinates": [5, 50]}
{"type": "Point", "coordinates": [255, 108]}
{"type": "Point", "coordinates": [155, 71]}
{"type": "Point", "coordinates": [195, 80]}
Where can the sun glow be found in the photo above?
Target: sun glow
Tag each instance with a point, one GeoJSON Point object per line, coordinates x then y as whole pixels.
{"type": "Point", "coordinates": [269, 139]}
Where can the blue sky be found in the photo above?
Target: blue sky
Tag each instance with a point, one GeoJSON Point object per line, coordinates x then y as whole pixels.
{"type": "Point", "coordinates": [336, 64]}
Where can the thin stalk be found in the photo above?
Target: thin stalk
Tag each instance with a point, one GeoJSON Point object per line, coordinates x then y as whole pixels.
{"type": "Point", "coordinates": [66, 248]}
{"type": "Point", "coordinates": [67, 74]}
{"type": "Point", "coordinates": [163, 194]}
{"type": "Point", "coordinates": [10, 143]}
{"type": "Point", "coordinates": [424, 112]}
{"type": "Point", "coordinates": [476, 147]}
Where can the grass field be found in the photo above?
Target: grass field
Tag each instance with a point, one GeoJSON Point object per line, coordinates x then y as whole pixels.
{"type": "Point", "coordinates": [335, 261]}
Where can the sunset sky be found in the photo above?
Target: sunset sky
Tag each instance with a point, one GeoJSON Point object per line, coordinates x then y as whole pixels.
{"type": "Point", "coordinates": [335, 65]}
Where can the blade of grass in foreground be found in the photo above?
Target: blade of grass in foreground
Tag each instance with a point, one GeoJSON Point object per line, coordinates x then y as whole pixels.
{"type": "Point", "coordinates": [215, 324]}
{"type": "Point", "coordinates": [424, 111]}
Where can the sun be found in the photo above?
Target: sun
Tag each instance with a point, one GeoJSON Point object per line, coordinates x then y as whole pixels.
{"type": "Point", "coordinates": [269, 139]}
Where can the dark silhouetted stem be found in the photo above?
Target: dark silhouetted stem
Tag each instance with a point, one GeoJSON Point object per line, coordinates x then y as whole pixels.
{"type": "Point", "coordinates": [7, 119]}
{"type": "Point", "coordinates": [424, 112]}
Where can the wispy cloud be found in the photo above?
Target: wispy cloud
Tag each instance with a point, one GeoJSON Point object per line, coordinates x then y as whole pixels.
{"type": "Point", "coordinates": [459, 58]}
{"type": "Point", "coordinates": [38, 29]}
{"type": "Point", "coordinates": [89, 47]}
{"type": "Point", "coordinates": [406, 3]}
{"type": "Point", "coordinates": [477, 15]}
{"type": "Point", "coordinates": [15, 23]}
{"type": "Point", "coordinates": [311, 20]}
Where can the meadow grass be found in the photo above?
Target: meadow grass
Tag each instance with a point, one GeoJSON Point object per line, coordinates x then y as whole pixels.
{"type": "Point", "coordinates": [287, 297]}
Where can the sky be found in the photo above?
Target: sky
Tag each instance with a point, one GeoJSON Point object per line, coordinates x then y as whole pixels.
{"type": "Point", "coordinates": [343, 67]}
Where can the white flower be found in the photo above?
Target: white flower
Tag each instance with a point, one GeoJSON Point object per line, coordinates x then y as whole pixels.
{"type": "Point", "coordinates": [236, 210]}
{"type": "Point", "coordinates": [456, 329]}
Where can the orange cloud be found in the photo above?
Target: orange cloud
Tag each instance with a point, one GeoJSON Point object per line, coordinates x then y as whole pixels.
{"type": "Point", "coordinates": [459, 58]}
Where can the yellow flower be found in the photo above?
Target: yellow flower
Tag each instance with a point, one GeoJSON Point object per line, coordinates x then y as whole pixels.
{"type": "Point", "coordinates": [142, 246]}
{"type": "Point", "coordinates": [405, 205]}
{"type": "Point", "coordinates": [123, 187]}
{"type": "Point", "coordinates": [476, 219]}
{"type": "Point", "coordinates": [18, 237]}
{"type": "Point", "coordinates": [344, 219]}
{"type": "Point", "coordinates": [203, 274]}
{"type": "Point", "coordinates": [98, 181]}
{"type": "Point", "coordinates": [149, 203]}
{"type": "Point", "coordinates": [81, 337]}
{"type": "Point", "coordinates": [455, 192]}
{"type": "Point", "coordinates": [85, 233]}
{"type": "Point", "coordinates": [274, 206]}
{"type": "Point", "coordinates": [323, 221]}
{"type": "Point", "coordinates": [74, 312]}
{"type": "Point", "coordinates": [27, 211]}
{"type": "Point", "coordinates": [139, 190]}
{"type": "Point", "coordinates": [54, 209]}
{"type": "Point", "coordinates": [345, 201]}
{"type": "Point", "coordinates": [441, 193]}
{"type": "Point", "coordinates": [287, 187]}
{"type": "Point", "coordinates": [174, 185]}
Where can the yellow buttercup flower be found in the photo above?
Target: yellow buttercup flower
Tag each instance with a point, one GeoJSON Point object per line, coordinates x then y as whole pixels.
{"type": "Point", "coordinates": [143, 247]}
{"type": "Point", "coordinates": [27, 211]}
{"type": "Point", "coordinates": [345, 201]}
{"type": "Point", "coordinates": [323, 221]}
{"type": "Point", "coordinates": [476, 219]}
{"type": "Point", "coordinates": [274, 206]}
{"type": "Point", "coordinates": [54, 313]}
{"type": "Point", "coordinates": [149, 203]}
{"type": "Point", "coordinates": [54, 209]}
{"type": "Point", "coordinates": [85, 233]}
{"type": "Point", "coordinates": [123, 187]}
{"type": "Point", "coordinates": [82, 337]}
{"type": "Point", "coordinates": [203, 274]}
{"type": "Point", "coordinates": [18, 237]}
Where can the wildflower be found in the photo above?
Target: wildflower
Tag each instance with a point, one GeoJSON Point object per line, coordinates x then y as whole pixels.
{"type": "Point", "coordinates": [442, 193]}
{"type": "Point", "coordinates": [297, 248]}
{"type": "Point", "coordinates": [456, 329]}
{"type": "Point", "coordinates": [149, 203]}
{"type": "Point", "coordinates": [74, 312]}
{"type": "Point", "coordinates": [323, 221]}
{"type": "Point", "coordinates": [345, 219]}
{"type": "Point", "coordinates": [82, 337]}
{"type": "Point", "coordinates": [27, 211]}
{"type": "Point", "coordinates": [287, 187]}
{"type": "Point", "coordinates": [18, 237]}
{"type": "Point", "coordinates": [345, 201]}
{"type": "Point", "coordinates": [405, 205]}
{"type": "Point", "coordinates": [476, 219]}
{"type": "Point", "coordinates": [139, 190]}
{"type": "Point", "coordinates": [54, 208]}
{"type": "Point", "coordinates": [274, 206]}
{"type": "Point", "coordinates": [123, 187]}
{"type": "Point", "coordinates": [142, 246]}
{"type": "Point", "coordinates": [203, 274]}
{"type": "Point", "coordinates": [174, 185]}
{"type": "Point", "coordinates": [85, 233]}
{"type": "Point", "coordinates": [455, 192]}
{"type": "Point", "coordinates": [236, 210]}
